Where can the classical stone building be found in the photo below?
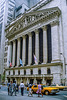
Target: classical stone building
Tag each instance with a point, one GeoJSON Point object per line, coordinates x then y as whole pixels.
{"type": "Point", "coordinates": [40, 31]}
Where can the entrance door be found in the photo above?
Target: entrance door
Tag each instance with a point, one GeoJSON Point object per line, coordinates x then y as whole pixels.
{"type": "Point", "coordinates": [13, 80]}
{"type": "Point", "coordinates": [31, 81]}
{"type": "Point", "coordinates": [8, 80]}
{"type": "Point", "coordinates": [39, 81]}
{"type": "Point", "coordinates": [48, 82]}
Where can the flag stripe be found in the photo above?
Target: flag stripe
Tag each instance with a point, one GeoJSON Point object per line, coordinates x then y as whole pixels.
{"type": "Point", "coordinates": [35, 60]}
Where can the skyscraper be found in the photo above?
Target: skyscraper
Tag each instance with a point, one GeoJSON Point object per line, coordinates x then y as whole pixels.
{"type": "Point", "coordinates": [6, 16]}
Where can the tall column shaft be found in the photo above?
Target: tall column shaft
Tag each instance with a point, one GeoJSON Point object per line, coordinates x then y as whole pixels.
{"type": "Point", "coordinates": [30, 49]}
{"type": "Point", "coordinates": [37, 44]}
{"type": "Point", "coordinates": [9, 54]}
{"type": "Point", "coordinates": [55, 41]}
{"type": "Point", "coordinates": [14, 45]}
{"type": "Point", "coordinates": [24, 49]}
{"type": "Point", "coordinates": [18, 52]}
{"type": "Point", "coordinates": [44, 44]}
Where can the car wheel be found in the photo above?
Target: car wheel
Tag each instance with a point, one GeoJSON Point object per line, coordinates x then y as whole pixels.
{"type": "Point", "coordinates": [46, 92]}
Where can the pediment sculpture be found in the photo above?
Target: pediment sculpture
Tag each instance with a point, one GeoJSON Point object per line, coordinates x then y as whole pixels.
{"type": "Point", "coordinates": [31, 18]}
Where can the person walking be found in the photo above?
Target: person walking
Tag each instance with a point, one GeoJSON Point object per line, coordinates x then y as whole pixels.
{"type": "Point", "coordinates": [22, 87]}
{"type": "Point", "coordinates": [30, 91]}
{"type": "Point", "coordinates": [14, 87]}
{"type": "Point", "coordinates": [8, 85]}
{"type": "Point", "coordinates": [11, 88]}
{"type": "Point", "coordinates": [39, 90]}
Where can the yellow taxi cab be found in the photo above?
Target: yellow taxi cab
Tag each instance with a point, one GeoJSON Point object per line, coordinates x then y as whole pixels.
{"type": "Point", "coordinates": [60, 87]}
{"type": "Point", "coordinates": [45, 89]}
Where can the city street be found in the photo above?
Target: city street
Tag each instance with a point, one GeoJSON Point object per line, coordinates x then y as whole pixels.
{"type": "Point", "coordinates": [62, 95]}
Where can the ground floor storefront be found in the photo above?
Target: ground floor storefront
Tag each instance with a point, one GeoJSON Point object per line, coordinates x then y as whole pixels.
{"type": "Point", "coordinates": [45, 74]}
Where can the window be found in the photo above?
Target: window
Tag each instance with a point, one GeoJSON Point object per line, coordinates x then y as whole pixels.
{"type": "Point", "coordinates": [66, 2]}
{"type": "Point", "coordinates": [10, 9]}
{"type": "Point", "coordinates": [18, 8]}
{"type": "Point", "coordinates": [5, 54]}
{"type": "Point", "coordinates": [18, 72]}
{"type": "Point", "coordinates": [31, 72]}
{"type": "Point", "coordinates": [9, 18]}
{"type": "Point", "coordinates": [13, 72]}
{"type": "Point", "coordinates": [9, 72]}
{"type": "Point", "coordinates": [24, 72]}
{"type": "Point", "coordinates": [10, 15]}
{"type": "Point", "coordinates": [48, 71]}
{"type": "Point", "coordinates": [11, 5]}
{"type": "Point", "coordinates": [35, 85]}
{"type": "Point", "coordinates": [39, 71]}
{"type": "Point", "coordinates": [25, 9]}
{"type": "Point", "coordinates": [12, 2]}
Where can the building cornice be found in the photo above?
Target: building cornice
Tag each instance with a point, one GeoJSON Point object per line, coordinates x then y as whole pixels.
{"type": "Point", "coordinates": [35, 66]}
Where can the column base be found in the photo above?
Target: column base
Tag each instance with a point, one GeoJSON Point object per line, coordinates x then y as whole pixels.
{"type": "Point", "coordinates": [43, 63]}
{"type": "Point", "coordinates": [56, 61]}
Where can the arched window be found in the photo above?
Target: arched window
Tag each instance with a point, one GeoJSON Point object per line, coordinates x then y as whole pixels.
{"type": "Point", "coordinates": [24, 72]}
{"type": "Point", "coordinates": [18, 72]}
{"type": "Point", "coordinates": [48, 71]}
{"type": "Point", "coordinates": [39, 71]}
{"type": "Point", "coordinates": [31, 72]}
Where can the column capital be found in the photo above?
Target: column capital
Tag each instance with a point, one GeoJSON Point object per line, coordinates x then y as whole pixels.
{"type": "Point", "coordinates": [24, 36]}
{"type": "Point", "coordinates": [56, 22]}
{"type": "Point", "coordinates": [44, 28]}
{"type": "Point", "coordinates": [13, 41]}
{"type": "Point", "coordinates": [30, 34]}
{"type": "Point", "coordinates": [9, 43]}
{"type": "Point", "coordinates": [18, 38]}
{"type": "Point", "coordinates": [36, 31]}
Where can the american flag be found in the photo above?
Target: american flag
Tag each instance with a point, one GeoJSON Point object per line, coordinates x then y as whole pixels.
{"type": "Point", "coordinates": [35, 60]}
{"type": "Point", "coordinates": [10, 64]}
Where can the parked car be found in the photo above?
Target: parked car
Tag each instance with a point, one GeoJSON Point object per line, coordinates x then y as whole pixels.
{"type": "Point", "coordinates": [60, 87]}
{"type": "Point", "coordinates": [45, 89]}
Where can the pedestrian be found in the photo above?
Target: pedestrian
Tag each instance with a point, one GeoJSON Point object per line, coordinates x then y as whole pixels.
{"type": "Point", "coordinates": [30, 91]}
{"type": "Point", "coordinates": [14, 87]}
{"type": "Point", "coordinates": [11, 88]}
{"type": "Point", "coordinates": [8, 85]}
{"type": "Point", "coordinates": [39, 90]}
{"type": "Point", "coordinates": [22, 87]}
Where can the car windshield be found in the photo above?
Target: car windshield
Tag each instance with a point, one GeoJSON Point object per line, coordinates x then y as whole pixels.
{"type": "Point", "coordinates": [53, 85]}
{"type": "Point", "coordinates": [44, 86]}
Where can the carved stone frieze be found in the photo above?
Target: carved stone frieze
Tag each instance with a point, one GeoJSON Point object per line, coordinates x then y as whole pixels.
{"type": "Point", "coordinates": [30, 19]}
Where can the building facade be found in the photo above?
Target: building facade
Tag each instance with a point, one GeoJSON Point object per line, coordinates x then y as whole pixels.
{"type": "Point", "coordinates": [40, 31]}
{"type": "Point", "coordinates": [6, 16]}
{"type": "Point", "coordinates": [9, 10]}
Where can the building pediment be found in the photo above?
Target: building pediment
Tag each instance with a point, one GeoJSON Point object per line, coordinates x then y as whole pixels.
{"type": "Point", "coordinates": [30, 19]}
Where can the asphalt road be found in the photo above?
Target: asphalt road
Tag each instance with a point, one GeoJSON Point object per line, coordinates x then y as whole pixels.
{"type": "Point", "coordinates": [62, 95]}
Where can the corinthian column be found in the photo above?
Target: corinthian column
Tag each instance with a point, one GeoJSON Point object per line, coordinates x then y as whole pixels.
{"type": "Point", "coordinates": [9, 54]}
{"type": "Point", "coordinates": [37, 44]}
{"type": "Point", "coordinates": [30, 49]}
{"type": "Point", "coordinates": [14, 45]}
{"type": "Point", "coordinates": [18, 51]}
{"type": "Point", "coordinates": [24, 49]}
{"type": "Point", "coordinates": [44, 44]}
{"type": "Point", "coordinates": [55, 41]}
